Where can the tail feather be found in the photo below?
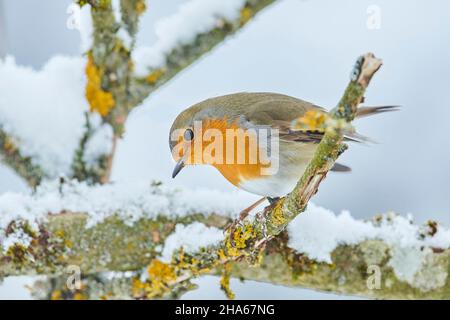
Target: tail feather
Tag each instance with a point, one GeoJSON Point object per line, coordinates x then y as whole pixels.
{"type": "Point", "coordinates": [356, 137]}
{"type": "Point", "coordinates": [370, 111]}
{"type": "Point", "coordinates": [340, 168]}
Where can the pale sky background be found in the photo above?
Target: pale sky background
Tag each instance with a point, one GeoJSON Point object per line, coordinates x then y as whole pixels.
{"type": "Point", "coordinates": [305, 49]}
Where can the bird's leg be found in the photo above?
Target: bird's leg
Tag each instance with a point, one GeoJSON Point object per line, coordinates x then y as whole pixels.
{"type": "Point", "coordinates": [272, 204]}
{"type": "Point", "coordinates": [242, 215]}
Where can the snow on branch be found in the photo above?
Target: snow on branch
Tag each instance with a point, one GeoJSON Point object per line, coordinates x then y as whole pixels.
{"type": "Point", "coordinates": [22, 165]}
{"type": "Point", "coordinates": [43, 125]}
{"type": "Point", "coordinates": [182, 28]}
{"type": "Point", "coordinates": [103, 227]}
{"type": "Point", "coordinates": [41, 113]}
{"type": "Point", "coordinates": [182, 38]}
{"type": "Point", "coordinates": [69, 115]}
{"type": "Point", "coordinates": [119, 230]}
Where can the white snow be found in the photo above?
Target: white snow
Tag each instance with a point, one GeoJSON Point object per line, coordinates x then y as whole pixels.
{"type": "Point", "coordinates": [122, 33]}
{"type": "Point", "coordinates": [191, 238]}
{"type": "Point", "coordinates": [318, 231]}
{"type": "Point", "coordinates": [407, 261]}
{"type": "Point", "coordinates": [131, 201]}
{"type": "Point", "coordinates": [44, 110]}
{"type": "Point", "coordinates": [193, 17]}
{"type": "Point", "coordinates": [100, 143]}
{"type": "Point", "coordinates": [85, 27]}
{"type": "Point", "coordinates": [16, 238]}
{"type": "Point", "coordinates": [116, 10]}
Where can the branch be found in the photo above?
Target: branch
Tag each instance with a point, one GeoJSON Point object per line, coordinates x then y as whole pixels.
{"type": "Point", "coordinates": [405, 270]}
{"type": "Point", "coordinates": [328, 150]}
{"type": "Point", "coordinates": [351, 273]}
{"type": "Point", "coordinates": [113, 89]}
{"type": "Point", "coordinates": [109, 70]}
{"type": "Point", "coordinates": [112, 57]}
{"type": "Point", "coordinates": [181, 56]}
{"type": "Point", "coordinates": [99, 228]}
{"type": "Point", "coordinates": [22, 165]}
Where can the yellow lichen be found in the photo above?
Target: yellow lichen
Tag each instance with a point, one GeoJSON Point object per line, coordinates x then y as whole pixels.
{"type": "Point", "coordinates": [18, 253]}
{"type": "Point", "coordinates": [225, 281]}
{"type": "Point", "coordinates": [161, 275]}
{"type": "Point", "coordinates": [137, 287]}
{"type": "Point", "coordinates": [81, 3]}
{"type": "Point", "coordinates": [59, 233]}
{"type": "Point", "coordinates": [240, 238]}
{"type": "Point", "coordinates": [106, 296]}
{"type": "Point", "coordinates": [99, 100]}
{"type": "Point", "coordinates": [277, 217]}
{"type": "Point", "coordinates": [68, 243]}
{"type": "Point", "coordinates": [8, 145]}
{"type": "Point", "coordinates": [161, 271]}
{"type": "Point", "coordinates": [312, 120]}
{"type": "Point", "coordinates": [221, 255]}
{"type": "Point", "coordinates": [154, 76]}
{"type": "Point", "coordinates": [246, 15]}
{"type": "Point", "coordinates": [140, 7]}
{"type": "Point", "coordinates": [241, 235]}
{"type": "Point", "coordinates": [79, 296]}
{"type": "Point", "coordinates": [187, 262]}
{"type": "Point", "coordinates": [56, 295]}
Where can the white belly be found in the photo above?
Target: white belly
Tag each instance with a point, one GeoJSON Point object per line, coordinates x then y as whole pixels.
{"type": "Point", "coordinates": [269, 186]}
{"type": "Point", "coordinates": [292, 165]}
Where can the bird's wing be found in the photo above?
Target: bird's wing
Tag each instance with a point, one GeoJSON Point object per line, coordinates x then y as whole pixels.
{"type": "Point", "coordinates": [278, 112]}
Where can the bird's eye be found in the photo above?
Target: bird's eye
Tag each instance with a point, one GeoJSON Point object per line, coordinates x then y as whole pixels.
{"type": "Point", "coordinates": [188, 135]}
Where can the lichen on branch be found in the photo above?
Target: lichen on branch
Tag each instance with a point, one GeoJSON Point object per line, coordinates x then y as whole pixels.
{"type": "Point", "coordinates": [22, 165]}
{"type": "Point", "coordinates": [100, 101]}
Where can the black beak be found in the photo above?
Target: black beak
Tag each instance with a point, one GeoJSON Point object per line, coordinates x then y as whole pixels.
{"type": "Point", "coordinates": [178, 167]}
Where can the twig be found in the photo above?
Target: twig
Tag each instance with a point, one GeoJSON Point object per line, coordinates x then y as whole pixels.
{"type": "Point", "coordinates": [22, 165]}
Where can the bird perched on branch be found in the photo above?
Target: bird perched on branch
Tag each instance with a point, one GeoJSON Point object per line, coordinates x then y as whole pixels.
{"type": "Point", "coordinates": [260, 142]}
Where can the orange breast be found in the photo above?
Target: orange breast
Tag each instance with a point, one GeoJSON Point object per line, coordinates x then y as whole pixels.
{"type": "Point", "coordinates": [240, 155]}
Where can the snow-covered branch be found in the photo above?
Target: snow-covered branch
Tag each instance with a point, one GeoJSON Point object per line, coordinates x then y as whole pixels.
{"type": "Point", "coordinates": [119, 230]}
{"type": "Point", "coordinates": [22, 165]}
{"type": "Point", "coordinates": [187, 35]}
{"type": "Point", "coordinates": [42, 117]}
{"type": "Point", "coordinates": [99, 228]}
{"type": "Point", "coordinates": [95, 95]}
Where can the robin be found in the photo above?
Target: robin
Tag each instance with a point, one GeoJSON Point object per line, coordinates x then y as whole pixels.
{"type": "Point", "coordinates": [253, 112]}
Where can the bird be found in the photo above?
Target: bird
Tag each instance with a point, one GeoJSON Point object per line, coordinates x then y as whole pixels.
{"type": "Point", "coordinates": [255, 112]}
